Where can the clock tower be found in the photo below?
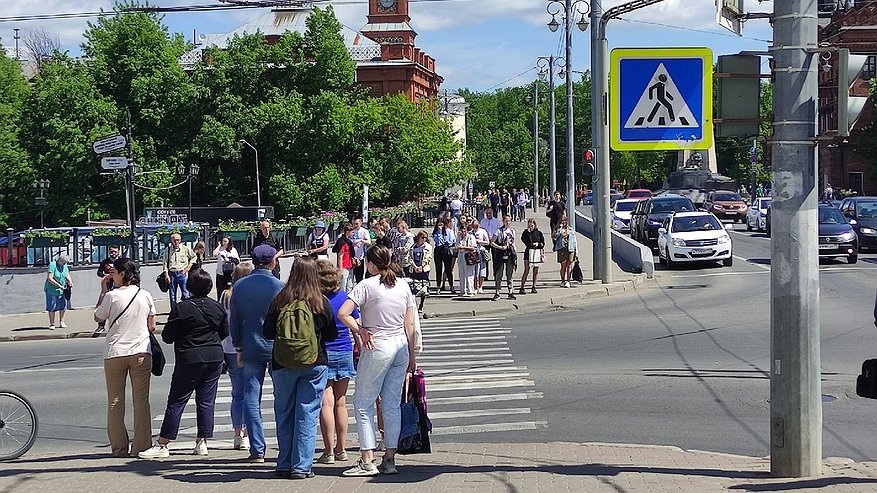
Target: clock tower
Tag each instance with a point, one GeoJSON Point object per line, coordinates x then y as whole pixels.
{"type": "Point", "coordinates": [388, 22]}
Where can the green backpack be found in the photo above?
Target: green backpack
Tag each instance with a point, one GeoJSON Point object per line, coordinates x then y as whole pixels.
{"type": "Point", "coordinates": [295, 345]}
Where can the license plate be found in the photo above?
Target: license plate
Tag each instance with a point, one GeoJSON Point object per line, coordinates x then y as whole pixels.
{"type": "Point", "coordinates": [827, 246]}
{"type": "Point", "coordinates": [701, 251]}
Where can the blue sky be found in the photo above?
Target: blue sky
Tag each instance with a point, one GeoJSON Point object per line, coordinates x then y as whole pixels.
{"type": "Point", "coordinates": [478, 44]}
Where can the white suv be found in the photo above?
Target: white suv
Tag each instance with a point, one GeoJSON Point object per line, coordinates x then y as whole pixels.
{"type": "Point", "coordinates": [692, 237]}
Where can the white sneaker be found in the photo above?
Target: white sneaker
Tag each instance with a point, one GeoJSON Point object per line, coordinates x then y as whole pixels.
{"type": "Point", "coordinates": [361, 469]}
{"type": "Point", "coordinates": [200, 446]}
{"type": "Point", "coordinates": [155, 452]}
{"type": "Point", "coordinates": [566, 284]}
{"type": "Point", "coordinates": [51, 326]}
{"type": "Point", "coordinates": [63, 325]}
{"type": "Point", "coordinates": [241, 443]}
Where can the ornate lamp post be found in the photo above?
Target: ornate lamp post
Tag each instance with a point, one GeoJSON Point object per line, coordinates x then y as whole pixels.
{"type": "Point", "coordinates": [258, 187]}
{"type": "Point", "coordinates": [568, 11]}
{"type": "Point", "coordinates": [41, 185]}
{"type": "Point", "coordinates": [189, 172]}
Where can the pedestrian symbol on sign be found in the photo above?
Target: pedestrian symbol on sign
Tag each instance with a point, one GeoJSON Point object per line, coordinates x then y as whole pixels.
{"type": "Point", "coordinates": [661, 105]}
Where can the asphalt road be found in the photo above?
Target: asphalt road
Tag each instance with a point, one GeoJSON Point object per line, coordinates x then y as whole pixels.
{"type": "Point", "coordinates": [682, 361]}
{"type": "Point", "coordinates": [685, 359]}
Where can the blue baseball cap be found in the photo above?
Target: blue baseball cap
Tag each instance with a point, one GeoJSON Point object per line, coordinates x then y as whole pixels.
{"type": "Point", "coordinates": [263, 254]}
{"type": "Point", "coordinates": [320, 224]}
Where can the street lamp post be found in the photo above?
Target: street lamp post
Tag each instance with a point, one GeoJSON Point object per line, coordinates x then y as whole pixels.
{"type": "Point", "coordinates": [535, 100]}
{"type": "Point", "coordinates": [568, 10]}
{"type": "Point", "coordinates": [190, 172]}
{"type": "Point", "coordinates": [551, 63]}
{"type": "Point", "coordinates": [41, 185]}
{"type": "Point", "coordinates": [258, 187]}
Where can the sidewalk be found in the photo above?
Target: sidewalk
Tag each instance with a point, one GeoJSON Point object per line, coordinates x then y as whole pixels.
{"type": "Point", "coordinates": [452, 468]}
{"type": "Point", "coordinates": [550, 296]}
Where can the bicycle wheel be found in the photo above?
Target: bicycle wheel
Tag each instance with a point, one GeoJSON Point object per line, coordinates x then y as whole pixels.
{"type": "Point", "coordinates": [18, 425]}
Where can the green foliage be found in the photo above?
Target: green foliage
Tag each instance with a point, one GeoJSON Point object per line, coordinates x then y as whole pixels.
{"type": "Point", "coordinates": [16, 170]}
{"type": "Point", "coordinates": [42, 233]}
{"type": "Point", "coordinates": [123, 232]}
{"type": "Point", "coordinates": [640, 168]}
{"type": "Point", "coordinates": [733, 154]}
{"type": "Point", "coordinates": [236, 226]}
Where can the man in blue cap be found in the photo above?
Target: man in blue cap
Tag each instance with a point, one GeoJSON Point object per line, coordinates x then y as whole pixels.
{"type": "Point", "coordinates": [318, 242]}
{"type": "Point", "coordinates": [247, 311]}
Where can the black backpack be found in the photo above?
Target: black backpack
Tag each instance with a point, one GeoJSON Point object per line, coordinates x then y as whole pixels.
{"type": "Point", "coordinates": [866, 383]}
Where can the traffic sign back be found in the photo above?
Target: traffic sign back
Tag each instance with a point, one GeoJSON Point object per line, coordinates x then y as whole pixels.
{"type": "Point", "coordinates": [112, 143]}
{"type": "Point", "coordinates": [661, 99]}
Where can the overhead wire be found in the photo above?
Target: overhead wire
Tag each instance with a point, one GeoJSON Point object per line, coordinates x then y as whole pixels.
{"type": "Point", "coordinates": [691, 29]}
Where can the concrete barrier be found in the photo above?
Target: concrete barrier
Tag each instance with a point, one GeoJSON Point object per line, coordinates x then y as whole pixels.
{"type": "Point", "coordinates": [629, 254]}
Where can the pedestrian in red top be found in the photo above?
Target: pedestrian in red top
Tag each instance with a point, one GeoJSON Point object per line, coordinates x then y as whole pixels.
{"type": "Point", "coordinates": [344, 257]}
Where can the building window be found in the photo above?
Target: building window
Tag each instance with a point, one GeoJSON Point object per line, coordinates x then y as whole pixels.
{"type": "Point", "coordinates": [869, 70]}
{"type": "Point", "coordinates": [857, 182]}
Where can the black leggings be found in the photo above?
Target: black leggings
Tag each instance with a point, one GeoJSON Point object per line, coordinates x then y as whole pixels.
{"type": "Point", "coordinates": [444, 265]}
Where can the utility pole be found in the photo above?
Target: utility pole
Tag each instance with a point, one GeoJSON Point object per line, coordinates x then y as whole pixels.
{"type": "Point", "coordinates": [17, 50]}
{"type": "Point", "coordinates": [552, 131]}
{"type": "Point", "coordinates": [536, 143]}
{"type": "Point", "coordinates": [602, 213]}
{"type": "Point", "coordinates": [570, 137]}
{"type": "Point", "coordinates": [795, 387]}
{"type": "Point", "coordinates": [129, 185]}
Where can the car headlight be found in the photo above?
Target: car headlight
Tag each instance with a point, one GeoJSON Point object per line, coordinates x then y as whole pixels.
{"type": "Point", "coordinates": [869, 231]}
{"type": "Point", "coordinates": [717, 206]}
{"type": "Point", "coordinates": [654, 223]}
{"type": "Point", "coordinates": [678, 242]}
{"type": "Point", "coordinates": [853, 221]}
{"type": "Point", "coordinates": [848, 236]}
{"type": "Point", "coordinates": [724, 240]}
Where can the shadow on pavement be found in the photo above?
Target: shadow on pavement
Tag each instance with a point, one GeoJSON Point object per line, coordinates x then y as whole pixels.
{"type": "Point", "coordinates": [30, 329]}
{"type": "Point", "coordinates": [803, 484]}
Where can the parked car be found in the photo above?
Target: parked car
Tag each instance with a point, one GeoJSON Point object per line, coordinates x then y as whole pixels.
{"type": "Point", "coordinates": [614, 195]}
{"type": "Point", "coordinates": [861, 213]}
{"type": "Point", "coordinates": [756, 218]}
{"type": "Point", "coordinates": [638, 193]}
{"type": "Point", "coordinates": [649, 214]}
{"type": "Point", "coordinates": [621, 211]}
{"type": "Point", "coordinates": [726, 205]}
{"type": "Point", "coordinates": [692, 237]}
{"type": "Point", "coordinates": [836, 236]}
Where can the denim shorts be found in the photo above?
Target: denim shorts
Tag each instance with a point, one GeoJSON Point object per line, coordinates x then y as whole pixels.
{"type": "Point", "coordinates": [55, 302]}
{"type": "Point", "coordinates": [340, 365]}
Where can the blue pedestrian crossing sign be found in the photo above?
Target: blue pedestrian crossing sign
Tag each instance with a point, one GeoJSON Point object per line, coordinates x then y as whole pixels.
{"type": "Point", "coordinates": [661, 99]}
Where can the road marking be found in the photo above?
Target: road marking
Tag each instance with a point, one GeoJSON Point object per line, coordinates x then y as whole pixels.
{"type": "Point", "coordinates": [751, 263]}
{"type": "Point", "coordinates": [520, 396]}
{"type": "Point", "coordinates": [488, 428]}
{"type": "Point", "coordinates": [719, 274]}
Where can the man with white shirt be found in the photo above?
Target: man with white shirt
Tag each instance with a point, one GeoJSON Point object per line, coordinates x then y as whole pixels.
{"type": "Point", "coordinates": [361, 239]}
{"type": "Point", "coordinates": [490, 223]}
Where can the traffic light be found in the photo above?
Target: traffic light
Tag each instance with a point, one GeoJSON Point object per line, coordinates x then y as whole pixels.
{"type": "Point", "coordinates": [589, 162]}
{"type": "Point", "coordinates": [848, 107]}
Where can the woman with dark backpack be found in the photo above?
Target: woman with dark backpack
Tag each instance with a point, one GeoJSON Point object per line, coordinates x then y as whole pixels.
{"type": "Point", "coordinates": [300, 322]}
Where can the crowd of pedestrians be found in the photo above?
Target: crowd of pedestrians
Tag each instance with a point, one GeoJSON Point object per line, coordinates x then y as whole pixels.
{"type": "Point", "coordinates": [347, 311]}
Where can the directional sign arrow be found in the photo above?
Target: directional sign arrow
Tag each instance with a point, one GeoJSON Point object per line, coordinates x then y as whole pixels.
{"type": "Point", "coordinates": [114, 163]}
{"type": "Point", "coordinates": [108, 144]}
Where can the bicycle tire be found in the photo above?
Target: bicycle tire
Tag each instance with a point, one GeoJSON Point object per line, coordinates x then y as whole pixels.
{"type": "Point", "coordinates": [18, 425]}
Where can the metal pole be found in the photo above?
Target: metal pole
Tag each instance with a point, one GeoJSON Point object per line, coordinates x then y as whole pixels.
{"type": "Point", "coordinates": [795, 387]}
{"type": "Point", "coordinates": [600, 135]}
{"type": "Point", "coordinates": [570, 140]}
{"type": "Point", "coordinates": [536, 141]}
{"type": "Point", "coordinates": [129, 182]}
{"type": "Point", "coordinates": [258, 186]}
{"type": "Point", "coordinates": [752, 158]}
{"type": "Point", "coordinates": [552, 132]}
{"type": "Point", "coordinates": [190, 195]}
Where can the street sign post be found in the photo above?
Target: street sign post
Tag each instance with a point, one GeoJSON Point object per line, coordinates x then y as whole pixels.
{"type": "Point", "coordinates": [110, 144]}
{"type": "Point", "coordinates": [661, 99]}
{"type": "Point", "coordinates": [114, 162]}
{"type": "Point", "coordinates": [728, 14]}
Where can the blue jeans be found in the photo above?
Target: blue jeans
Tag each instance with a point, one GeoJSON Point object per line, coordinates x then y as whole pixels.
{"type": "Point", "coordinates": [298, 395]}
{"type": "Point", "coordinates": [381, 372]}
{"type": "Point", "coordinates": [253, 376]}
{"type": "Point", "coordinates": [235, 374]}
{"type": "Point", "coordinates": [177, 279]}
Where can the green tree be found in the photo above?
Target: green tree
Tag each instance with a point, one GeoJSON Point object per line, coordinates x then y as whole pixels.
{"type": "Point", "coordinates": [61, 119]}
{"type": "Point", "coordinates": [16, 172]}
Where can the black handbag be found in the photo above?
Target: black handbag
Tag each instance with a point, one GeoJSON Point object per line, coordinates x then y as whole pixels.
{"type": "Point", "coordinates": [472, 258]}
{"type": "Point", "coordinates": [158, 359]}
{"type": "Point", "coordinates": [866, 383]}
{"type": "Point", "coordinates": [163, 285]}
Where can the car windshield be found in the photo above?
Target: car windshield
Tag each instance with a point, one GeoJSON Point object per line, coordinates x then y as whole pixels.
{"type": "Point", "coordinates": [764, 204]}
{"type": "Point", "coordinates": [671, 206]}
{"type": "Point", "coordinates": [830, 215]}
{"type": "Point", "coordinates": [695, 223]}
{"type": "Point", "coordinates": [727, 197]}
{"type": "Point", "coordinates": [624, 206]}
{"type": "Point", "coordinates": [867, 209]}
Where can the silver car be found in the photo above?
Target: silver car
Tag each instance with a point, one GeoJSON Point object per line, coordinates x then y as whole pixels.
{"type": "Point", "coordinates": [756, 218]}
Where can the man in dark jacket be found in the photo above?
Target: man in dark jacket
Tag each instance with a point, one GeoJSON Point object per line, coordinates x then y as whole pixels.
{"type": "Point", "coordinates": [263, 237]}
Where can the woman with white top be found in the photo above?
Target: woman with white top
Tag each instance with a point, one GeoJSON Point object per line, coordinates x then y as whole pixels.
{"type": "Point", "coordinates": [227, 257]}
{"type": "Point", "coordinates": [467, 244]}
{"type": "Point", "coordinates": [130, 315]}
{"type": "Point", "coordinates": [386, 307]}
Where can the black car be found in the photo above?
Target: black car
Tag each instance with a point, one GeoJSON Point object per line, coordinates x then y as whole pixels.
{"type": "Point", "coordinates": [861, 212]}
{"type": "Point", "coordinates": [836, 236]}
{"type": "Point", "coordinates": [648, 215]}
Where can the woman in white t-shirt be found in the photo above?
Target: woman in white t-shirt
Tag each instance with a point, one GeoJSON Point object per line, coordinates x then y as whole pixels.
{"type": "Point", "coordinates": [386, 307]}
{"type": "Point", "coordinates": [227, 258]}
{"type": "Point", "coordinates": [130, 315]}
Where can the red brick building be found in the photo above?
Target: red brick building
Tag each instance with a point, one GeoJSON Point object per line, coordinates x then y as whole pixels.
{"type": "Point", "coordinates": [852, 26]}
{"type": "Point", "coordinates": [387, 59]}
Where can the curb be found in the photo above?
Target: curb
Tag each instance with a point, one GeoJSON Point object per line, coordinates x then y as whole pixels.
{"type": "Point", "coordinates": [552, 303]}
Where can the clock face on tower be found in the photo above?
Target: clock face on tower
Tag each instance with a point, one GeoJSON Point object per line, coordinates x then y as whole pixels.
{"type": "Point", "coordinates": [387, 5]}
